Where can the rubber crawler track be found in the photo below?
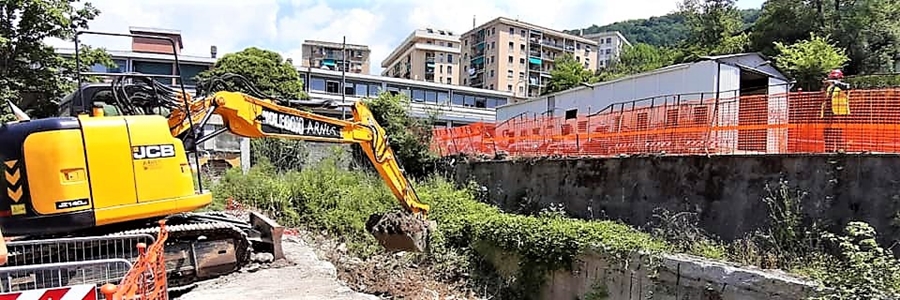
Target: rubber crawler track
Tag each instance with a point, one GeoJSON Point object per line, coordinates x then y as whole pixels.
{"type": "Point", "coordinates": [188, 233]}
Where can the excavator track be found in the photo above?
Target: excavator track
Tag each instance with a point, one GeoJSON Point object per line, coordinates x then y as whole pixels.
{"type": "Point", "coordinates": [198, 247]}
{"type": "Point", "coordinates": [199, 251]}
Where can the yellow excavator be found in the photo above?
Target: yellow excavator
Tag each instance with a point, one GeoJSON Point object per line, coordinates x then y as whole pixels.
{"type": "Point", "coordinates": [116, 160]}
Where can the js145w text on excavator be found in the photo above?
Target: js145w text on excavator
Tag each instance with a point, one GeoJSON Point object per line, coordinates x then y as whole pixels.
{"type": "Point", "coordinates": [116, 160]}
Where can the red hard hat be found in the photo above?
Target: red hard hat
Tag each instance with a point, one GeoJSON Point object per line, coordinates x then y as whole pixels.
{"type": "Point", "coordinates": [836, 74]}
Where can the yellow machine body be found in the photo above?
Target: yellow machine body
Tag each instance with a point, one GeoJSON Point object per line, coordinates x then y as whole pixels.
{"type": "Point", "coordinates": [78, 173]}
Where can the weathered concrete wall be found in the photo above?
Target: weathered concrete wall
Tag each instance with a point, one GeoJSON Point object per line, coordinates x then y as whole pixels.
{"type": "Point", "coordinates": [596, 276]}
{"type": "Point", "coordinates": [725, 191]}
{"type": "Point", "coordinates": [675, 277]}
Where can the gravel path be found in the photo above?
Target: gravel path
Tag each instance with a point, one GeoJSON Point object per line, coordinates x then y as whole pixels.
{"type": "Point", "coordinates": [307, 278]}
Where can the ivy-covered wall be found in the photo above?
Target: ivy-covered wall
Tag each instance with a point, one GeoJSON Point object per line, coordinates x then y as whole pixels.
{"type": "Point", "coordinates": [725, 192]}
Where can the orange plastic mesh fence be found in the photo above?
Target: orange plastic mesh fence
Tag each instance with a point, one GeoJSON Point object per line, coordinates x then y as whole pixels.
{"type": "Point", "coordinates": [147, 278]}
{"type": "Point", "coordinates": [795, 122]}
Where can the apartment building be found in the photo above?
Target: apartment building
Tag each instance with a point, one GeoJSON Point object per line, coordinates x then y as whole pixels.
{"type": "Point", "coordinates": [515, 56]}
{"type": "Point", "coordinates": [327, 55]}
{"type": "Point", "coordinates": [428, 54]}
{"type": "Point", "coordinates": [609, 46]}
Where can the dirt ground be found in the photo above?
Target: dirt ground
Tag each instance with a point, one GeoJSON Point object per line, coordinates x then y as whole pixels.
{"type": "Point", "coordinates": [302, 276]}
{"type": "Point", "coordinates": [318, 267]}
{"type": "Point", "coordinates": [391, 276]}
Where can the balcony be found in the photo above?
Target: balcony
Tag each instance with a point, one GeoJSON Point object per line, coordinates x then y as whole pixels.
{"type": "Point", "coordinates": [552, 44]}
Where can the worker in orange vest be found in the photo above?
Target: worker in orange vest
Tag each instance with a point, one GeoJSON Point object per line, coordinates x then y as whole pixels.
{"type": "Point", "coordinates": [839, 93]}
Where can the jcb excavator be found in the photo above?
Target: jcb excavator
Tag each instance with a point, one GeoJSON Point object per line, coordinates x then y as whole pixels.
{"type": "Point", "coordinates": [116, 160]}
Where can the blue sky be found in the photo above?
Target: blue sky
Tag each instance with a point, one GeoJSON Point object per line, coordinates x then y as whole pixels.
{"type": "Point", "coordinates": [282, 25]}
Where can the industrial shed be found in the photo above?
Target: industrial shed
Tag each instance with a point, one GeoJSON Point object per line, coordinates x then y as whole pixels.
{"type": "Point", "coordinates": [728, 75]}
{"type": "Point", "coordinates": [718, 91]}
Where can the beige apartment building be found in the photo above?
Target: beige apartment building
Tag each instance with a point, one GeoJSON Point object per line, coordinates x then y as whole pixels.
{"type": "Point", "coordinates": [430, 55]}
{"type": "Point", "coordinates": [327, 55]}
{"type": "Point", "coordinates": [609, 46]}
{"type": "Point", "coordinates": [515, 56]}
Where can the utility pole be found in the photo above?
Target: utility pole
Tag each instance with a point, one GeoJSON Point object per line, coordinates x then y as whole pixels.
{"type": "Point", "coordinates": [344, 78]}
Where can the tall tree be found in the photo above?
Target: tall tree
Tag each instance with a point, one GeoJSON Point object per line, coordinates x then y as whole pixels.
{"type": "Point", "coordinates": [568, 73]}
{"type": "Point", "coordinates": [265, 69]}
{"type": "Point", "coordinates": [869, 30]}
{"type": "Point", "coordinates": [715, 28]}
{"type": "Point", "coordinates": [33, 75]}
{"type": "Point", "coordinates": [809, 60]}
{"type": "Point", "coordinates": [770, 27]}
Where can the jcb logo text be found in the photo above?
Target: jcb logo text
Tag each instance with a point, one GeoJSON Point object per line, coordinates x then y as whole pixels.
{"type": "Point", "coordinates": [153, 151]}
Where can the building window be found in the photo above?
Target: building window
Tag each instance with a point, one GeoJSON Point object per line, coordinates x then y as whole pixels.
{"type": "Point", "coordinates": [509, 74]}
{"type": "Point", "coordinates": [608, 51]}
{"type": "Point", "coordinates": [512, 46]}
{"type": "Point", "coordinates": [492, 59]}
{"type": "Point", "coordinates": [332, 87]}
{"type": "Point", "coordinates": [441, 69]}
{"type": "Point", "coordinates": [512, 31]}
{"type": "Point", "coordinates": [317, 84]}
{"type": "Point", "coordinates": [492, 73]}
{"type": "Point", "coordinates": [418, 95]}
{"type": "Point", "coordinates": [450, 58]}
{"type": "Point", "coordinates": [449, 80]}
{"type": "Point", "coordinates": [509, 87]}
{"type": "Point", "coordinates": [609, 40]}
{"type": "Point", "coordinates": [523, 33]}
{"type": "Point", "coordinates": [510, 59]}
{"type": "Point", "coordinates": [457, 99]}
{"type": "Point", "coordinates": [493, 45]}
{"type": "Point", "coordinates": [155, 68]}
{"type": "Point", "coordinates": [450, 70]}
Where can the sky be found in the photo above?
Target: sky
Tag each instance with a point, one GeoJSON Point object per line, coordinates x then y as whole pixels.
{"type": "Point", "coordinates": [282, 25]}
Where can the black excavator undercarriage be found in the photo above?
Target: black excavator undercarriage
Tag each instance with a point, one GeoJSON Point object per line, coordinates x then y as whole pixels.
{"type": "Point", "coordinates": [199, 246]}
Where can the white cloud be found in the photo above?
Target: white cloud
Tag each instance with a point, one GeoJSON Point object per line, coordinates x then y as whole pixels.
{"type": "Point", "coordinates": [283, 25]}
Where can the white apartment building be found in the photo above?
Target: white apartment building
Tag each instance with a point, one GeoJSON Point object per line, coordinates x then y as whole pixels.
{"type": "Point", "coordinates": [430, 55]}
{"type": "Point", "coordinates": [609, 46]}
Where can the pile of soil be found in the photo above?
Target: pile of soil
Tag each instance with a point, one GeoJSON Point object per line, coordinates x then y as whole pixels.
{"type": "Point", "coordinates": [398, 231]}
{"type": "Point", "coordinates": [394, 276]}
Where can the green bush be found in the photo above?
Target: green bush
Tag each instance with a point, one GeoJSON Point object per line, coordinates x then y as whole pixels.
{"type": "Point", "coordinates": [874, 81]}
{"type": "Point", "coordinates": [324, 197]}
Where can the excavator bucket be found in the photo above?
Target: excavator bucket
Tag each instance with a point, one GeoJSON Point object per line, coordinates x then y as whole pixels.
{"type": "Point", "coordinates": [400, 231]}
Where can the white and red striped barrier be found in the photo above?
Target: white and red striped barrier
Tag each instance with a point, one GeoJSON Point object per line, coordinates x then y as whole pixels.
{"type": "Point", "coordinates": [75, 292]}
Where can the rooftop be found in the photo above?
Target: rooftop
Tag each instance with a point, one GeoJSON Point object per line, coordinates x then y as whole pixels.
{"type": "Point", "coordinates": [515, 22]}
{"type": "Point", "coordinates": [335, 45]}
{"type": "Point", "coordinates": [427, 32]}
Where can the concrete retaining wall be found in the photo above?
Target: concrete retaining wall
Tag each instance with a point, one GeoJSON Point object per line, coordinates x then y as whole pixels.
{"type": "Point", "coordinates": [675, 277]}
{"type": "Point", "coordinates": [725, 192]}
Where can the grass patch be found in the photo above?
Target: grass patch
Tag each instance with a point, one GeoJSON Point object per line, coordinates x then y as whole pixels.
{"type": "Point", "coordinates": [324, 197]}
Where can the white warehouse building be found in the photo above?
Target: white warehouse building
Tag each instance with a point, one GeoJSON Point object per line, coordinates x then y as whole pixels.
{"type": "Point", "coordinates": [728, 75]}
{"type": "Point", "coordinates": [716, 81]}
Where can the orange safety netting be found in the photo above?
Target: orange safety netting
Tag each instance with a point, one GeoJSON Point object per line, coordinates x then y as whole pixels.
{"type": "Point", "coordinates": [146, 280]}
{"type": "Point", "coordinates": [795, 122]}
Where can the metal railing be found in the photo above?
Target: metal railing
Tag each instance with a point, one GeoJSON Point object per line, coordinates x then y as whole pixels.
{"type": "Point", "coordinates": [53, 275]}
{"type": "Point", "coordinates": [62, 250]}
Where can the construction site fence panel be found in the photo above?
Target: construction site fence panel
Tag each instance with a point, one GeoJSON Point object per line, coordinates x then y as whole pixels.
{"type": "Point", "coordinates": [777, 123]}
{"type": "Point", "coordinates": [75, 249]}
{"type": "Point", "coordinates": [147, 279]}
{"type": "Point", "coordinates": [62, 274]}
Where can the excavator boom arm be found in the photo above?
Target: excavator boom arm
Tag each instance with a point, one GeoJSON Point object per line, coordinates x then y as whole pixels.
{"type": "Point", "coordinates": [251, 117]}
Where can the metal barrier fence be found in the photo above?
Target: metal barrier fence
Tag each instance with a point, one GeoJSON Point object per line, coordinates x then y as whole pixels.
{"type": "Point", "coordinates": [54, 275]}
{"type": "Point", "coordinates": [794, 122]}
{"type": "Point", "coordinates": [24, 253]}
